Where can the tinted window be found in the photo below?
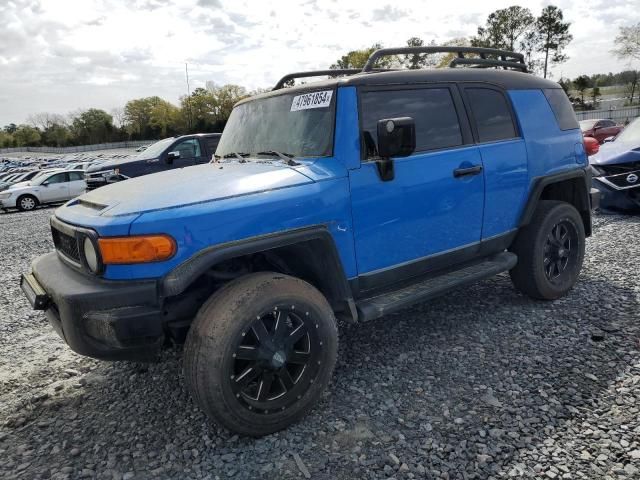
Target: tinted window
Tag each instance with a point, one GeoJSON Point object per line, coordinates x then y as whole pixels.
{"type": "Point", "coordinates": [606, 123]}
{"type": "Point", "coordinates": [212, 143]}
{"type": "Point", "coordinates": [491, 113]}
{"type": "Point", "coordinates": [74, 176]}
{"type": "Point", "coordinates": [562, 108]}
{"type": "Point", "coordinates": [432, 109]}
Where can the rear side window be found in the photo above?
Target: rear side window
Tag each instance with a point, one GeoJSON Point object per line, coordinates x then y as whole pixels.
{"type": "Point", "coordinates": [562, 108]}
{"type": "Point", "coordinates": [432, 109]}
{"type": "Point", "coordinates": [492, 115]}
{"type": "Point", "coordinates": [75, 176]}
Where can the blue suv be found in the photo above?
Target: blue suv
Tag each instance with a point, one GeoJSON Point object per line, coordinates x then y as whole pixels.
{"type": "Point", "coordinates": [345, 199]}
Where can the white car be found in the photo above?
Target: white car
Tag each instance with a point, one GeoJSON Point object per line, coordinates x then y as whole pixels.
{"type": "Point", "coordinates": [51, 187]}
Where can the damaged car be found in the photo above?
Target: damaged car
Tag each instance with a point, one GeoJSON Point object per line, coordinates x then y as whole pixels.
{"type": "Point", "coordinates": [616, 170]}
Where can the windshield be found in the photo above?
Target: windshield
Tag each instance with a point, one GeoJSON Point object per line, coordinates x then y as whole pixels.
{"type": "Point", "coordinates": [631, 133]}
{"type": "Point", "coordinates": [155, 150]}
{"type": "Point", "coordinates": [300, 125]}
{"type": "Point", "coordinates": [587, 124]}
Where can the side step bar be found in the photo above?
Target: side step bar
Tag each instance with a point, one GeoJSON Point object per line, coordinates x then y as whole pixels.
{"type": "Point", "coordinates": [376, 307]}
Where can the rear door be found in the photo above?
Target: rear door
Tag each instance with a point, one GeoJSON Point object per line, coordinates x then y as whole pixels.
{"type": "Point", "coordinates": [504, 157]}
{"type": "Point", "coordinates": [77, 185]}
{"type": "Point", "coordinates": [402, 225]}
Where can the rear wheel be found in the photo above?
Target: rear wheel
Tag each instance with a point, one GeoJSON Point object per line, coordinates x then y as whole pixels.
{"type": "Point", "coordinates": [550, 251]}
{"type": "Point", "coordinates": [26, 203]}
{"type": "Point", "coordinates": [260, 352]}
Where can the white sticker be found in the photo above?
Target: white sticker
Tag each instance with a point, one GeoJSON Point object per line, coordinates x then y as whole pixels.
{"type": "Point", "coordinates": [311, 100]}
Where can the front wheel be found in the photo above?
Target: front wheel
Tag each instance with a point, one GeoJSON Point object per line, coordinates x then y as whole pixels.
{"type": "Point", "coordinates": [260, 353]}
{"type": "Point", "coordinates": [550, 251]}
{"type": "Point", "coordinates": [26, 203]}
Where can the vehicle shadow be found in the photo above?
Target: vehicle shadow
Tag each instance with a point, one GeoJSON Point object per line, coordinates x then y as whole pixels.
{"type": "Point", "coordinates": [466, 384]}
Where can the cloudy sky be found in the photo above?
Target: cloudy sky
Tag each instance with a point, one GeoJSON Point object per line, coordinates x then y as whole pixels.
{"type": "Point", "coordinates": [61, 55]}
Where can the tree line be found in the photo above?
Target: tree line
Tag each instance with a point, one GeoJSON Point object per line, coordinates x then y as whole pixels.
{"type": "Point", "coordinates": [204, 110]}
{"type": "Point", "coordinates": [542, 39]}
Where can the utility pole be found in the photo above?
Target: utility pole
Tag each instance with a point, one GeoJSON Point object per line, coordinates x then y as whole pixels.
{"type": "Point", "coordinates": [186, 71]}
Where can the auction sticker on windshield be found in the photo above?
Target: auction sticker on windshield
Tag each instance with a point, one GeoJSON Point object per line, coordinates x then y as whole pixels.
{"type": "Point", "coordinates": [311, 100]}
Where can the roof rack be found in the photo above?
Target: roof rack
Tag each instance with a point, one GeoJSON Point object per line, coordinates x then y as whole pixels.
{"type": "Point", "coordinates": [315, 73]}
{"type": "Point", "coordinates": [318, 73]}
{"type": "Point", "coordinates": [504, 58]}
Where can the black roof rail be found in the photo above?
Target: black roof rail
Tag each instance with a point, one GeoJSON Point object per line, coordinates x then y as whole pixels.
{"type": "Point", "coordinates": [504, 58]}
{"type": "Point", "coordinates": [316, 73]}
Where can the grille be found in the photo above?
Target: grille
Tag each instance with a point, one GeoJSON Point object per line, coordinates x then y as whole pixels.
{"type": "Point", "coordinates": [625, 180]}
{"type": "Point", "coordinates": [66, 244]}
{"type": "Point", "coordinates": [620, 168]}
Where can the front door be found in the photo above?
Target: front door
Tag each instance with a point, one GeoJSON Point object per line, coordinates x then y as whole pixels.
{"type": "Point", "coordinates": [55, 188]}
{"type": "Point", "coordinates": [190, 152]}
{"type": "Point", "coordinates": [432, 209]}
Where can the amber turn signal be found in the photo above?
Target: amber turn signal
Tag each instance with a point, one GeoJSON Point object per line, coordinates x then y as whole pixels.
{"type": "Point", "coordinates": [138, 249]}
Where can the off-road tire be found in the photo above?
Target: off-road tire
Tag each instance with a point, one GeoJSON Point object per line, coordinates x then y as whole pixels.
{"type": "Point", "coordinates": [226, 320]}
{"type": "Point", "coordinates": [28, 205]}
{"type": "Point", "coordinates": [532, 246]}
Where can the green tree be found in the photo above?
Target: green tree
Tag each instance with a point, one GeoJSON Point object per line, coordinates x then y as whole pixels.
{"type": "Point", "coordinates": [553, 35]}
{"type": "Point", "coordinates": [504, 28]}
{"type": "Point", "coordinates": [565, 84]}
{"type": "Point", "coordinates": [581, 84]}
{"type": "Point", "coordinates": [595, 93]}
{"type": "Point", "coordinates": [92, 126]}
{"type": "Point", "coordinates": [6, 139]}
{"type": "Point", "coordinates": [358, 58]}
{"type": "Point", "coordinates": [57, 135]}
{"type": "Point", "coordinates": [11, 128]}
{"type": "Point", "coordinates": [628, 42]}
{"type": "Point", "coordinates": [26, 136]}
{"type": "Point", "coordinates": [420, 60]}
{"type": "Point", "coordinates": [199, 110]}
{"type": "Point", "coordinates": [165, 118]}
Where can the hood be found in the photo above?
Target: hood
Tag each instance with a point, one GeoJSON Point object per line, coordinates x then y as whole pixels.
{"type": "Point", "coordinates": [18, 186]}
{"type": "Point", "coordinates": [616, 152]}
{"type": "Point", "coordinates": [190, 185]}
{"type": "Point", "coordinates": [111, 164]}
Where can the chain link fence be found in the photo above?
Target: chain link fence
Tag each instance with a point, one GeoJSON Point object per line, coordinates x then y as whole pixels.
{"type": "Point", "coordinates": [80, 148]}
{"type": "Point", "coordinates": [620, 115]}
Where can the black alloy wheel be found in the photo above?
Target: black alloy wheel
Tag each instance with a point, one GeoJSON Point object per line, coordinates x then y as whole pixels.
{"type": "Point", "coordinates": [260, 352]}
{"type": "Point", "coordinates": [559, 250]}
{"type": "Point", "coordinates": [277, 357]}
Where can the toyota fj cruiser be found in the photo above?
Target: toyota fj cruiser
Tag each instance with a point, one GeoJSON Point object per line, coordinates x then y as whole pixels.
{"type": "Point", "coordinates": [348, 198]}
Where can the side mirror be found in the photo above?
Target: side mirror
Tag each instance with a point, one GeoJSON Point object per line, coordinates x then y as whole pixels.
{"type": "Point", "coordinates": [171, 156]}
{"type": "Point", "coordinates": [396, 138]}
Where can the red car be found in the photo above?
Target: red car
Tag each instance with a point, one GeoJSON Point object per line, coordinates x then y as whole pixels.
{"type": "Point", "coordinates": [600, 129]}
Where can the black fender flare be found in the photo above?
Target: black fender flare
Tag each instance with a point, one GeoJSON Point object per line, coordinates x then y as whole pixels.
{"type": "Point", "coordinates": [178, 279]}
{"type": "Point", "coordinates": [583, 202]}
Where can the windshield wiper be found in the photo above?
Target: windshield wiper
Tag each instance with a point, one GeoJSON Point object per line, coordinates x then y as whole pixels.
{"type": "Point", "coordinates": [286, 157]}
{"type": "Point", "coordinates": [239, 155]}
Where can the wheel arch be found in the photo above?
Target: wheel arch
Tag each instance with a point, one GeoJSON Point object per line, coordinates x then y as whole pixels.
{"type": "Point", "coordinates": [309, 253]}
{"type": "Point", "coordinates": [573, 187]}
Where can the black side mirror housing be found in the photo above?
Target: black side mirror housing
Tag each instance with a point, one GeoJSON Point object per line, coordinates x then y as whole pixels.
{"type": "Point", "coordinates": [171, 156]}
{"type": "Point", "coordinates": [396, 138]}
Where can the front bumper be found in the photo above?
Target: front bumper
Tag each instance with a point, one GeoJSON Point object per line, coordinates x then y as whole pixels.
{"type": "Point", "coordinates": [614, 198]}
{"type": "Point", "coordinates": [101, 319]}
{"type": "Point", "coordinates": [8, 202]}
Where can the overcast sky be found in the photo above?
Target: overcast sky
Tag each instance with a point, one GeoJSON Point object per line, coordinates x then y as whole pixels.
{"type": "Point", "coordinates": [60, 56]}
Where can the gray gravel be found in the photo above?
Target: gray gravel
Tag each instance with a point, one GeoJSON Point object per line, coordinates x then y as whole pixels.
{"type": "Point", "coordinates": [483, 384]}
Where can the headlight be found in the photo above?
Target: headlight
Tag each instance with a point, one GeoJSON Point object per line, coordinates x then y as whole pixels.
{"type": "Point", "coordinates": [596, 172]}
{"type": "Point", "coordinates": [90, 255]}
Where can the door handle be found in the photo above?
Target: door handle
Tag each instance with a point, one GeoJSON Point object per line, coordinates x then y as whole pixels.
{"type": "Point", "coordinates": [466, 172]}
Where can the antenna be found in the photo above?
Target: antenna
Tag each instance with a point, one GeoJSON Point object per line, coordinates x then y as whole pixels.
{"type": "Point", "coordinates": [186, 71]}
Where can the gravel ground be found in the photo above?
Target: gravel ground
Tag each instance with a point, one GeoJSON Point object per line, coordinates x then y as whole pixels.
{"type": "Point", "coordinates": [483, 384]}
